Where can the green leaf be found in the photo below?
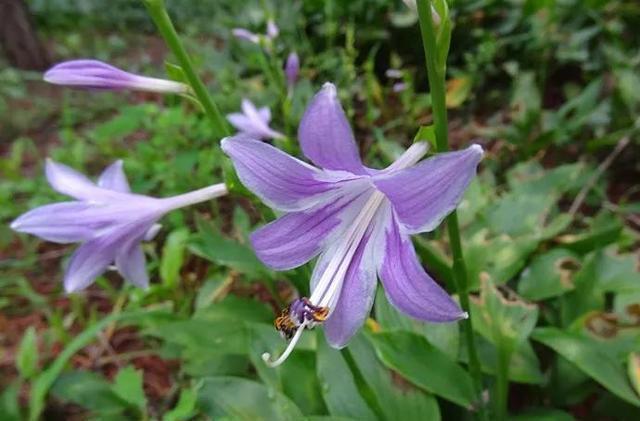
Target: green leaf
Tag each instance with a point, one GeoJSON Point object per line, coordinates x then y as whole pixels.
{"type": "Point", "coordinates": [173, 256]}
{"type": "Point", "coordinates": [633, 370]}
{"type": "Point", "coordinates": [396, 397]}
{"type": "Point", "coordinates": [208, 243]}
{"type": "Point", "coordinates": [584, 353]}
{"type": "Point", "coordinates": [128, 386]}
{"type": "Point", "coordinates": [502, 321]}
{"type": "Point", "coordinates": [185, 408]}
{"type": "Point", "coordinates": [549, 275]}
{"type": "Point", "coordinates": [9, 403]}
{"type": "Point", "coordinates": [242, 399]}
{"type": "Point", "coordinates": [338, 386]}
{"type": "Point", "coordinates": [425, 366]}
{"type": "Point", "coordinates": [89, 390]}
{"type": "Point", "coordinates": [445, 336]}
{"type": "Point", "coordinates": [27, 356]}
{"type": "Point", "coordinates": [426, 134]}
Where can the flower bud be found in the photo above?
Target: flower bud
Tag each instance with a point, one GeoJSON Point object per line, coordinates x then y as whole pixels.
{"type": "Point", "coordinates": [94, 74]}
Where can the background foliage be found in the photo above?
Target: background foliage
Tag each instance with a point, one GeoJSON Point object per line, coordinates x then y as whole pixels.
{"type": "Point", "coordinates": [550, 227]}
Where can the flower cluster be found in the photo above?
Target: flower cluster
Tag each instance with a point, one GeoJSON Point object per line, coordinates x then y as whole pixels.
{"type": "Point", "coordinates": [357, 221]}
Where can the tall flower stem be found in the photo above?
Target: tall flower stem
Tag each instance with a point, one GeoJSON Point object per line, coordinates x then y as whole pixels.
{"type": "Point", "coordinates": [158, 13]}
{"type": "Point", "coordinates": [436, 73]}
{"type": "Point", "coordinates": [501, 391]}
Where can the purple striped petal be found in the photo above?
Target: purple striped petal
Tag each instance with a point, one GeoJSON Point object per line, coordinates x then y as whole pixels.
{"type": "Point", "coordinates": [281, 181]}
{"type": "Point", "coordinates": [68, 181]}
{"type": "Point", "coordinates": [424, 194]}
{"type": "Point", "coordinates": [325, 135]}
{"type": "Point", "coordinates": [93, 257]}
{"type": "Point", "coordinates": [408, 287]}
{"type": "Point", "coordinates": [113, 178]}
{"type": "Point", "coordinates": [359, 287]}
{"type": "Point", "coordinates": [130, 262]}
{"type": "Point", "coordinates": [295, 238]}
{"type": "Point", "coordinates": [58, 222]}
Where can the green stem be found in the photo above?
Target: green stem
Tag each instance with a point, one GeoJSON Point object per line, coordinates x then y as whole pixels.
{"type": "Point", "coordinates": [158, 13]}
{"type": "Point", "coordinates": [501, 392]}
{"type": "Point", "coordinates": [436, 75]}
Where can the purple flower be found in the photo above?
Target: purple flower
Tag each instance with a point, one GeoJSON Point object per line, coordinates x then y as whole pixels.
{"type": "Point", "coordinates": [106, 218]}
{"type": "Point", "coordinates": [94, 74]}
{"type": "Point", "coordinates": [245, 34]}
{"type": "Point", "coordinates": [292, 69]}
{"type": "Point", "coordinates": [272, 29]}
{"type": "Point", "coordinates": [358, 221]}
{"type": "Point", "coordinates": [253, 122]}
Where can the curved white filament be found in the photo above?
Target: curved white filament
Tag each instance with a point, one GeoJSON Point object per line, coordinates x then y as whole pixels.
{"type": "Point", "coordinates": [266, 357]}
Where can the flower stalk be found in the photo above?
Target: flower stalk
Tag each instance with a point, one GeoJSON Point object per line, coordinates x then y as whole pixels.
{"type": "Point", "coordinates": [158, 13]}
{"type": "Point", "coordinates": [435, 57]}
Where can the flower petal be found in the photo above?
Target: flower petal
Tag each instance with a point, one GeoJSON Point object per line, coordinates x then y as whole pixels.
{"type": "Point", "coordinates": [130, 262]}
{"type": "Point", "coordinates": [59, 222]}
{"type": "Point", "coordinates": [68, 181]}
{"type": "Point", "coordinates": [295, 238]}
{"type": "Point", "coordinates": [359, 286]}
{"type": "Point", "coordinates": [325, 135]}
{"type": "Point", "coordinates": [113, 178]}
{"type": "Point", "coordinates": [280, 180]}
{"type": "Point", "coordinates": [408, 287]}
{"type": "Point", "coordinates": [92, 258]}
{"type": "Point", "coordinates": [424, 194]}
{"type": "Point", "coordinates": [88, 262]}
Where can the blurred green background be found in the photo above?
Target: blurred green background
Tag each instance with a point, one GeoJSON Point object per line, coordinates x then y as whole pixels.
{"type": "Point", "coordinates": [551, 89]}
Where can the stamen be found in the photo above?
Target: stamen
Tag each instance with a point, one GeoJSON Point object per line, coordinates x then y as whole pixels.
{"type": "Point", "coordinates": [266, 357]}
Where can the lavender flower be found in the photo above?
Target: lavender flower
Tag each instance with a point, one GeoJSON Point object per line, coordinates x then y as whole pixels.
{"type": "Point", "coordinates": [357, 219]}
{"type": "Point", "coordinates": [292, 69]}
{"type": "Point", "coordinates": [106, 218]}
{"type": "Point", "coordinates": [94, 74]}
{"type": "Point", "coordinates": [272, 29]}
{"type": "Point", "coordinates": [254, 122]}
{"type": "Point", "coordinates": [244, 34]}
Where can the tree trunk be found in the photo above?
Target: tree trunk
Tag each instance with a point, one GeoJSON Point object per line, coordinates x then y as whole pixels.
{"type": "Point", "coordinates": [19, 39]}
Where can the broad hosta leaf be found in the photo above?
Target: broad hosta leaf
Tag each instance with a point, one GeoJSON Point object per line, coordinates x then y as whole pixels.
{"type": "Point", "coordinates": [90, 391]}
{"type": "Point", "coordinates": [502, 321]}
{"type": "Point", "coordinates": [425, 365]}
{"type": "Point", "coordinates": [543, 414]}
{"type": "Point", "coordinates": [395, 396]}
{"type": "Point", "coordinates": [338, 386]}
{"type": "Point", "coordinates": [586, 355]}
{"type": "Point", "coordinates": [9, 403]}
{"type": "Point", "coordinates": [208, 243]}
{"type": "Point", "coordinates": [445, 336]}
{"type": "Point", "coordinates": [242, 399]}
{"type": "Point", "coordinates": [549, 275]}
{"type": "Point", "coordinates": [128, 386]}
{"type": "Point", "coordinates": [524, 366]}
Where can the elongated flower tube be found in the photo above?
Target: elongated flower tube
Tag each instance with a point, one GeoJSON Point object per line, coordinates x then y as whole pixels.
{"type": "Point", "coordinates": [94, 74]}
{"type": "Point", "coordinates": [292, 69]}
{"type": "Point", "coordinates": [107, 218]}
{"type": "Point", "coordinates": [358, 221]}
{"type": "Point", "coordinates": [246, 35]}
{"type": "Point", "coordinates": [253, 122]}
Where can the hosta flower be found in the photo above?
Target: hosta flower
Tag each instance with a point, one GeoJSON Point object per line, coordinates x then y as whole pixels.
{"type": "Point", "coordinates": [253, 122]}
{"type": "Point", "coordinates": [358, 221]}
{"type": "Point", "coordinates": [292, 69]}
{"type": "Point", "coordinates": [244, 34]}
{"type": "Point", "coordinates": [94, 74]}
{"type": "Point", "coordinates": [106, 218]}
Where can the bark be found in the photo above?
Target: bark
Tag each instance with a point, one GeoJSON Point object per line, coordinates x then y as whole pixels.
{"type": "Point", "coordinates": [19, 39]}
